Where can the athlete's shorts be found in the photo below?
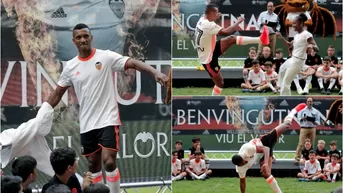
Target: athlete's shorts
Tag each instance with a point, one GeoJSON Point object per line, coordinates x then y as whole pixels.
{"type": "Point", "coordinates": [269, 140]}
{"type": "Point", "coordinates": [94, 140]}
{"type": "Point", "coordinates": [213, 67]}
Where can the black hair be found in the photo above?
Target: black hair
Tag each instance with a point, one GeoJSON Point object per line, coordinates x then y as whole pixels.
{"type": "Point", "coordinates": [268, 63]}
{"type": "Point", "coordinates": [58, 188]}
{"type": "Point", "coordinates": [327, 59]}
{"type": "Point", "coordinates": [24, 166]}
{"type": "Point", "coordinates": [236, 159]}
{"type": "Point", "coordinates": [302, 17]}
{"type": "Point", "coordinates": [11, 184]}
{"type": "Point", "coordinates": [96, 188]}
{"type": "Point", "coordinates": [195, 139]}
{"type": "Point", "coordinates": [197, 153]}
{"type": "Point", "coordinates": [174, 152]}
{"type": "Point", "coordinates": [255, 62]}
{"type": "Point", "coordinates": [279, 50]}
{"type": "Point", "coordinates": [80, 26]}
{"type": "Point", "coordinates": [61, 159]}
{"type": "Point", "coordinates": [313, 152]}
{"type": "Point", "coordinates": [210, 7]}
{"type": "Point", "coordinates": [178, 141]}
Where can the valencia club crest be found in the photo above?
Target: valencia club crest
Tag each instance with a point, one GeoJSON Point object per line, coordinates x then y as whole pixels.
{"type": "Point", "coordinates": [98, 65]}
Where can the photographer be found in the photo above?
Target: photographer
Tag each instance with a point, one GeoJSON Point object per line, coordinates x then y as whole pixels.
{"type": "Point", "coordinates": [308, 119]}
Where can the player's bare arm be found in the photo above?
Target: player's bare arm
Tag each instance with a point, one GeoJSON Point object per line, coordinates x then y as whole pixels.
{"type": "Point", "coordinates": [242, 184]}
{"type": "Point", "coordinates": [319, 74]}
{"type": "Point", "coordinates": [229, 30]}
{"type": "Point", "coordinates": [333, 75]}
{"type": "Point", "coordinates": [284, 41]}
{"type": "Point", "coordinates": [265, 150]}
{"type": "Point", "coordinates": [56, 96]}
{"type": "Point", "coordinates": [142, 67]}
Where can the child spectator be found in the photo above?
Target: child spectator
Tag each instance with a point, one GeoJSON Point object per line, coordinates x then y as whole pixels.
{"type": "Point", "coordinates": [180, 151]}
{"type": "Point", "coordinates": [271, 77]}
{"type": "Point", "coordinates": [322, 153]}
{"type": "Point", "coordinates": [196, 147]}
{"type": "Point", "coordinates": [256, 78]}
{"type": "Point", "coordinates": [340, 81]}
{"type": "Point", "coordinates": [304, 75]}
{"type": "Point", "coordinates": [248, 62]}
{"type": "Point", "coordinates": [313, 60]}
{"type": "Point", "coordinates": [306, 151]}
{"type": "Point", "coordinates": [279, 60]}
{"type": "Point", "coordinates": [333, 149]}
{"type": "Point", "coordinates": [11, 184]}
{"type": "Point", "coordinates": [197, 168]}
{"type": "Point", "coordinates": [326, 76]}
{"type": "Point", "coordinates": [331, 169]}
{"type": "Point", "coordinates": [331, 55]}
{"type": "Point", "coordinates": [26, 168]}
{"type": "Point", "coordinates": [265, 56]}
{"type": "Point", "coordinates": [312, 170]}
{"type": "Point", "coordinates": [176, 168]}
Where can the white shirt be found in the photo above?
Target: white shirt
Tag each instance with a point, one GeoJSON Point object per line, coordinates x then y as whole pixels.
{"type": "Point", "coordinates": [106, 20]}
{"type": "Point", "coordinates": [271, 75]}
{"type": "Point", "coordinates": [326, 72]}
{"type": "Point", "coordinates": [265, 16]}
{"type": "Point", "coordinates": [197, 166]}
{"type": "Point", "coordinates": [205, 39]}
{"type": "Point", "coordinates": [300, 44]}
{"type": "Point", "coordinates": [29, 139]}
{"type": "Point", "coordinates": [93, 84]}
{"type": "Point", "coordinates": [176, 166]}
{"type": "Point", "coordinates": [312, 168]}
{"type": "Point", "coordinates": [248, 152]}
{"type": "Point", "coordinates": [256, 78]}
{"type": "Point", "coordinates": [340, 73]}
{"type": "Point", "coordinates": [291, 17]}
{"type": "Point", "coordinates": [330, 166]}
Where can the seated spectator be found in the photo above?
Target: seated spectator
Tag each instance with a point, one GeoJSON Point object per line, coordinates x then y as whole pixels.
{"type": "Point", "coordinates": [332, 169]}
{"type": "Point", "coordinates": [279, 60]}
{"type": "Point", "coordinates": [312, 170]}
{"type": "Point", "coordinates": [25, 167]}
{"type": "Point", "coordinates": [331, 54]}
{"type": "Point", "coordinates": [340, 82]}
{"type": "Point", "coordinates": [256, 79]}
{"type": "Point", "coordinates": [196, 147]}
{"type": "Point", "coordinates": [180, 151]}
{"type": "Point", "coordinates": [96, 188]}
{"type": "Point", "coordinates": [313, 59]}
{"type": "Point", "coordinates": [306, 151]}
{"type": "Point", "coordinates": [58, 188]}
{"type": "Point", "coordinates": [11, 184]}
{"type": "Point", "coordinates": [322, 153]}
{"type": "Point", "coordinates": [64, 163]}
{"type": "Point", "coordinates": [197, 168]}
{"type": "Point", "coordinates": [304, 75]}
{"type": "Point", "coordinates": [326, 77]}
{"type": "Point", "coordinates": [333, 149]}
{"type": "Point", "coordinates": [265, 56]}
{"type": "Point", "coordinates": [176, 168]}
{"type": "Point", "coordinates": [248, 62]}
{"type": "Point", "coordinates": [271, 77]}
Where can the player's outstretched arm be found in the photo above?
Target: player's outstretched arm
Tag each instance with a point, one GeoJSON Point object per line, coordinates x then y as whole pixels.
{"type": "Point", "coordinates": [229, 30]}
{"type": "Point", "coordinates": [242, 184]}
{"type": "Point", "coordinates": [56, 96]}
{"type": "Point", "coordinates": [265, 150]}
{"type": "Point", "coordinates": [142, 67]}
{"type": "Point", "coordinates": [284, 41]}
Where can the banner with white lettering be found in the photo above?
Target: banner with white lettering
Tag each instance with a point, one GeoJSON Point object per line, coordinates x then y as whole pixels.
{"type": "Point", "coordinates": [225, 123]}
{"type": "Point", "coordinates": [37, 42]}
{"type": "Point", "coordinates": [186, 14]}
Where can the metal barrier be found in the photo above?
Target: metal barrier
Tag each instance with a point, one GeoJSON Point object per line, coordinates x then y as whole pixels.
{"type": "Point", "coordinates": [193, 62]}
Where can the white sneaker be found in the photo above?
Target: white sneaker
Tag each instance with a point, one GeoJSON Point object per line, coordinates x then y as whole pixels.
{"type": "Point", "coordinates": [300, 91]}
{"type": "Point", "coordinates": [306, 90]}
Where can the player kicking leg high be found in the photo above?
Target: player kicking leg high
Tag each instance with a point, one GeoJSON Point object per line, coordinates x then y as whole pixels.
{"type": "Point", "coordinates": [209, 49]}
{"type": "Point", "coordinates": [91, 75]}
{"type": "Point", "coordinates": [254, 151]}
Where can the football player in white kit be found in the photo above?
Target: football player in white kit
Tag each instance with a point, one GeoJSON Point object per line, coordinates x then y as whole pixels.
{"type": "Point", "coordinates": [302, 41]}
{"type": "Point", "coordinates": [90, 72]}
{"type": "Point", "coordinates": [176, 168]}
{"type": "Point", "coordinates": [326, 76]}
{"type": "Point", "coordinates": [261, 150]}
{"type": "Point", "coordinates": [209, 49]}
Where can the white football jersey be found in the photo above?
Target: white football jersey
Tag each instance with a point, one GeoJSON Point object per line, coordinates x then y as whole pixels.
{"type": "Point", "coordinates": [205, 39]}
{"type": "Point", "coordinates": [331, 166]}
{"type": "Point", "coordinates": [105, 19]}
{"type": "Point", "coordinates": [197, 166]}
{"type": "Point", "coordinates": [248, 152]}
{"type": "Point", "coordinates": [256, 78]}
{"type": "Point", "coordinates": [176, 165]}
{"type": "Point", "coordinates": [271, 75]}
{"type": "Point", "coordinates": [340, 73]}
{"type": "Point", "coordinates": [291, 17]}
{"type": "Point", "coordinates": [325, 71]}
{"type": "Point", "coordinates": [300, 44]}
{"type": "Point", "coordinates": [93, 83]}
{"type": "Point", "coordinates": [312, 167]}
